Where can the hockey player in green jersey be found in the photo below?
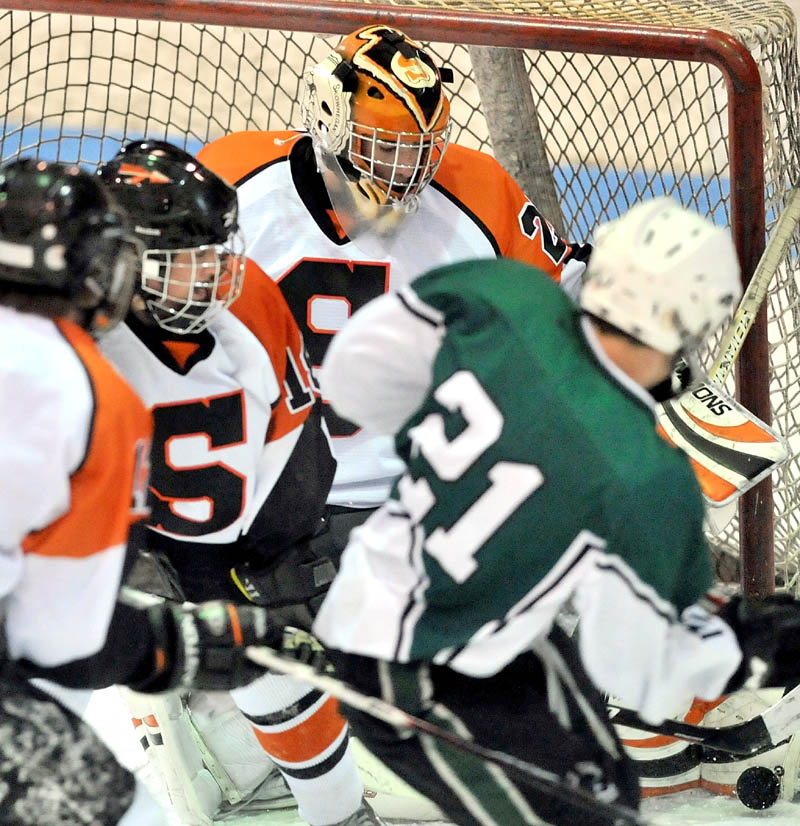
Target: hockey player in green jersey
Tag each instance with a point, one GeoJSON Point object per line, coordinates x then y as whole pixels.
{"type": "Point", "coordinates": [536, 478]}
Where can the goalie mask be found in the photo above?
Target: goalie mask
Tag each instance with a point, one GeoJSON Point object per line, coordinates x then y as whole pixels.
{"type": "Point", "coordinates": [63, 235]}
{"type": "Point", "coordinates": [380, 123]}
{"type": "Point", "coordinates": [187, 217]}
{"type": "Point", "coordinates": [663, 274]}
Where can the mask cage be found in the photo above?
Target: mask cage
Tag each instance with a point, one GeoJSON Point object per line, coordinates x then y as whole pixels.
{"type": "Point", "coordinates": [398, 164]}
{"type": "Point", "coordinates": [185, 289]}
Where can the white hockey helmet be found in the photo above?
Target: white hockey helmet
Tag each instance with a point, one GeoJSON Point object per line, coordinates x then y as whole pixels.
{"type": "Point", "coordinates": [663, 274]}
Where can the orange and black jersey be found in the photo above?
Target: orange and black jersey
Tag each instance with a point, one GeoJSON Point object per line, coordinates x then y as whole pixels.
{"type": "Point", "coordinates": [472, 209]}
{"type": "Point", "coordinates": [241, 462]}
{"type": "Point", "coordinates": [473, 181]}
{"type": "Point", "coordinates": [74, 481]}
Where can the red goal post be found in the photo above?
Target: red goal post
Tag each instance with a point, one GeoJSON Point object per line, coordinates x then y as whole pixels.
{"type": "Point", "coordinates": [594, 104]}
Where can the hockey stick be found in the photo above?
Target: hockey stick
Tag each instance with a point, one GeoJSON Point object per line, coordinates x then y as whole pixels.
{"type": "Point", "coordinates": [540, 779]}
{"type": "Point", "coordinates": [731, 449]}
{"type": "Point", "coordinates": [774, 725]}
{"type": "Point", "coordinates": [756, 289]}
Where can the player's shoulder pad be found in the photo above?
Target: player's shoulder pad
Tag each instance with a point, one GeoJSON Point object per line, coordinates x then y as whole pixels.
{"type": "Point", "coordinates": [234, 157]}
{"type": "Point", "coordinates": [483, 188]}
{"type": "Point", "coordinates": [98, 368]}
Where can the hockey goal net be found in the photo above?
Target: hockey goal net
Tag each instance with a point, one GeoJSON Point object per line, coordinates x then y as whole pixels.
{"type": "Point", "coordinates": [595, 104]}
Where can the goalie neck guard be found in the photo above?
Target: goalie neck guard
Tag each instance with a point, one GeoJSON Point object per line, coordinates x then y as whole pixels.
{"type": "Point", "coordinates": [380, 123]}
{"type": "Point", "coordinates": [187, 217]}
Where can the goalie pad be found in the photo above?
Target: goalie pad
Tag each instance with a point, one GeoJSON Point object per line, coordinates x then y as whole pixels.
{"type": "Point", "coordinates": [207, 757]}
{"type": "Point", "coordinates": [730, 449]}
{"type": "Point", "coordinates": [667, 765]}
{"type": "Point", "coordinates": [208, 762]}
{"type": "Point", "coordinates": [173, 757]}
{"type": "Point", "coordinates": [719, 772]}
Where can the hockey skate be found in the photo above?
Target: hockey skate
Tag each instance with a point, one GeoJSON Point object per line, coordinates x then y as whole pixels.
{"type": "Point", "coordinates": [363, 816]}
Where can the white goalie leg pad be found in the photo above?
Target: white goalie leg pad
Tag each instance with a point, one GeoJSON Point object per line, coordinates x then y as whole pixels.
{"type": "Point", "coordinates": [666, 765]}
{"type": "Point", "coordinates": [164, 729]}
{"type": "Point", "coordinates": [230, 745]}
{"type": "Point", "coordinates": [720, 774]}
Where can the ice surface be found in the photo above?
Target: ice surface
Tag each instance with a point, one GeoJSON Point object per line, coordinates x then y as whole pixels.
{"type": "Point", "coordinates": [694, 808]}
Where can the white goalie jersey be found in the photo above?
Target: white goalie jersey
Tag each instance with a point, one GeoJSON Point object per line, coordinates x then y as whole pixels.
{"type": "Point", "coordinates": [473, 209]}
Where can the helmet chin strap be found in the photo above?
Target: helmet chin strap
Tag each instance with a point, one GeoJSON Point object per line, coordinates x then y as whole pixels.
{"type": "Point", "coordinates": [141, 311]}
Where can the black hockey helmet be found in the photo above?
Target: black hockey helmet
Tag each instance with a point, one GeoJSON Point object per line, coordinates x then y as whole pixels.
{"type": "Point", "coordinates": [62, 234]}
{"type": "Point", "coordinates": [187, 218]}
{"type": "Point", "coordinates": [174, 201]}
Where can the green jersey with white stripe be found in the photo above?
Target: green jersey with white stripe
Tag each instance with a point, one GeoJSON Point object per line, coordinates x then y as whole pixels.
{"type": "Point", "coordinates": [525, 450]}
{"type": "Point", "coordinates": [535, 478]}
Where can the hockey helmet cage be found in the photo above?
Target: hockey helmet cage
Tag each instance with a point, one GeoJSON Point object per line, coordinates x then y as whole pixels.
{"type": "Point", "coordinates": [63, 234]}
{"type": "Point", "coordinates": [665, 275]}
{"type": "Point", "coordinates": [187, 218]}
{"type": "Point", "coordinates": [377, 103]}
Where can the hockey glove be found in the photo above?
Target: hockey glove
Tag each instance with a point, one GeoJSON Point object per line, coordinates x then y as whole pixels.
{"type": "Point", "coordinates": [768, 630]}
{"type": "Point", "coordinates": [204, 646]}
{"type": "Point", "coordinates": [292, 588]}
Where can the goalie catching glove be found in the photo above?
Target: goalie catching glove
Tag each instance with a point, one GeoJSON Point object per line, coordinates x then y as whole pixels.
{"type": "Point", "coordinates": [768, 631]}
{"type": "Point", "coordinates": [204, 646]}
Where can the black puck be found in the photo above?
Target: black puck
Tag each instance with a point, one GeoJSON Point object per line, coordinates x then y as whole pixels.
{"type": "Point", "coordinates": [758, 787]}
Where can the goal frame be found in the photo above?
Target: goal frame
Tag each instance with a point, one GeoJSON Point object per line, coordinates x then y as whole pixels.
{"type": "Point", "coordinates": [718, 48]}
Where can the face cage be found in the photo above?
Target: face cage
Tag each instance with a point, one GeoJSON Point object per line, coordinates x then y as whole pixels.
{"type": "Point", "coordinates": [399, 164]}
{"type": "Point", "coordinates": [186, 289]}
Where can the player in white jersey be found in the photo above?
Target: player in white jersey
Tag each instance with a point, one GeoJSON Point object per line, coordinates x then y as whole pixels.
{"type": "Point", "coordinates": [74, 452]}
{"type": "Point", "coordinates": [241, 460]}
{"type": "Point", "coordinates": [369, 196]}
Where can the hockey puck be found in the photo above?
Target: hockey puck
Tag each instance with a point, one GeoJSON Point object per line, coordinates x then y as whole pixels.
{"type": "Point", "coordinates": [758, 787]}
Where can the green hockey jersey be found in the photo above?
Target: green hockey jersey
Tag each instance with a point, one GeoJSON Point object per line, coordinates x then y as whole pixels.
{"type": "Point", "coordinates": [535, 477]}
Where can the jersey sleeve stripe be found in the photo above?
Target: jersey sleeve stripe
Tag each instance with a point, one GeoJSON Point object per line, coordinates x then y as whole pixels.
{"type": "Point", "coordinates": [418, 308]}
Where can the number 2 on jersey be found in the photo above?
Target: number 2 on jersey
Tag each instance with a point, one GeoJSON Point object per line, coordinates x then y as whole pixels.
{"type": "Point", "coordinates": [511, 483]}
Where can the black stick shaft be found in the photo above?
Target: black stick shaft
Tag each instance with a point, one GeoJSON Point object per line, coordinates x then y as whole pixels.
{"type": "Point", "coordinates": [763, 732]}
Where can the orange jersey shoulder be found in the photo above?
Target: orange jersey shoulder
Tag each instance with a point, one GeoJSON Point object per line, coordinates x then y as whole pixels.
{"type": "Point", "coordinates": [263, 310]}
{"type": "Point", "coordinates": [477, 181]}
{"type": "Point", "coordinates": [233, 157]}
{"type": "Point", "coordinates": [109, 489]}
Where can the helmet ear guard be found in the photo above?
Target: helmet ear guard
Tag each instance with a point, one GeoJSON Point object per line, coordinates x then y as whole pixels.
{"type": "Point", "coordinates": [123, 264]}
{"type": "Point", "coordinates": [325, 102]}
